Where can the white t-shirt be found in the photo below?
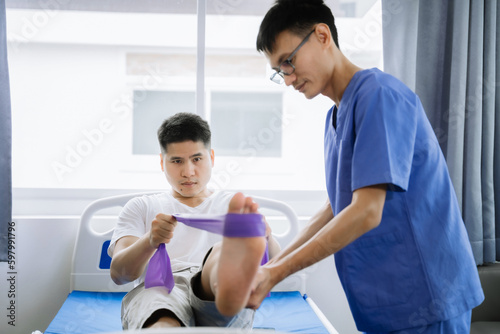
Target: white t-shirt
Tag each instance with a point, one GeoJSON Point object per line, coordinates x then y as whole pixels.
{"type": "Point", "coordinates": [189, 245]}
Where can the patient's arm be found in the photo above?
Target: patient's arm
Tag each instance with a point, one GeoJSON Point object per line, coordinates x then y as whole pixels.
{"type": "Point", "coordinates": [132, 254]}
{"type": "Point", "coordinates": [130, 257]}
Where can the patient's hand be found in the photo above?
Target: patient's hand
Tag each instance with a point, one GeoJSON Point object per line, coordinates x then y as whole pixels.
{"type": "Point", "coordinates": [261, 286]}
{"type": "Point", "coordinates": [162, 229]}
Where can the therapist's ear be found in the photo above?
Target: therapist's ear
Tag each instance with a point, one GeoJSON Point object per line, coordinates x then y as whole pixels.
{"type": "Point", "coordinates": [212, 156]}
{"type": "Point", "coordinates": [161, 161]}
{"type": "Point", "coordinates": [323, 34]}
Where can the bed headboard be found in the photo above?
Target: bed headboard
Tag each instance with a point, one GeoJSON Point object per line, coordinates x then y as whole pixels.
{"type": "Point", "coordinates": [90, 266]}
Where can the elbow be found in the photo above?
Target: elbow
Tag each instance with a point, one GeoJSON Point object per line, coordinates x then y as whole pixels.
{"type": "Point", "coordinates": [369, 204]}
{"type": "Point", "coordinates": [372, 218]}
{"type": "Point", "coordinates": [120, 277]}
{"type": "Point", "coordinates": [117, 279]}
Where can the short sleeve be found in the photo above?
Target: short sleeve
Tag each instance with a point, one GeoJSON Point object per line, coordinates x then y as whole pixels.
{"type": "Point", "coordinates": [131, 222]}
{"type": "Point", "coordinates": [385, 123]}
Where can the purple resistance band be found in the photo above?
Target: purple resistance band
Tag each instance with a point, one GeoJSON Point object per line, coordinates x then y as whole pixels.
{"type": "Point", "coordinates": [233, 225]}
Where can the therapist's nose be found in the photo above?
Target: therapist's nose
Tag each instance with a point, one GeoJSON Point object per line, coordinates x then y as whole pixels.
{"type": "Point", "coordinates": [290, 79]}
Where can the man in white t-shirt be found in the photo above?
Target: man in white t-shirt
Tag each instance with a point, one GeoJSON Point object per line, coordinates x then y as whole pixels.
{"type": "Point", "coordinates": [213, 274]}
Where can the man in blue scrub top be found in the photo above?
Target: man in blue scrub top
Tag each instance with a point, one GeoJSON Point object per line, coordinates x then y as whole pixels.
{"type": "Point", "coordinates": [392, 220]}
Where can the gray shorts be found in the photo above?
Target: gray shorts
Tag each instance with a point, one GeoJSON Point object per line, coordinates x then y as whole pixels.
{"type": "Point", "coordinates": [140, 303]}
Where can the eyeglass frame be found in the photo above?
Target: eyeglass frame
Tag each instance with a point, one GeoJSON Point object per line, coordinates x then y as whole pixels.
{"type": "Point", "coordinates": [289, 61]}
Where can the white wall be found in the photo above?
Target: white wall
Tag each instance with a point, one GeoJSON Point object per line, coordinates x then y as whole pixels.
{"type": "Point", "coordinates": [43, 254]}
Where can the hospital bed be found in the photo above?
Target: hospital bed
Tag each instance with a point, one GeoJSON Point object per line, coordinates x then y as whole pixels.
{"type": "Point", "coordinates": [94, 303]}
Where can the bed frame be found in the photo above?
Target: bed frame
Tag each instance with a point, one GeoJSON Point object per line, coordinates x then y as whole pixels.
{"type": "Point", "coordinates": [94, 304]}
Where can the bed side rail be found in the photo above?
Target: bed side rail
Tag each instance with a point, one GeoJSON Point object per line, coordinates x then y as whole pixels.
{"type": "Point", "coordinates": [88, 272]}
{"type": "Point", "coordinates": [90, 266]}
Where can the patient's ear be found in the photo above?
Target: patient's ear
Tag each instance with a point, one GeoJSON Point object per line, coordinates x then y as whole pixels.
{"type": "Point", "coordinates": [212, 156]}
{"type": "Point", "coordinates": [161, 161]}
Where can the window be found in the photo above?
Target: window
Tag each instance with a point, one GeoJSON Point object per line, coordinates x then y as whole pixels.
{"type": "Point", "coordinates": [87, 99]}
{"type": "Point", "coordinates": [151, 108]}
{"type": "Point", "coordinates": [246, 123]}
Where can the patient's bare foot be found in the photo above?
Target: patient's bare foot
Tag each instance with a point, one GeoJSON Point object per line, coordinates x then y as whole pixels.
{"type": "Point", "coordinates": [238, 263]}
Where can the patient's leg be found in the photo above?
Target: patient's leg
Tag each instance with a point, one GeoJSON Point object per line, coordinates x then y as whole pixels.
{"type": "Point", "coordinates": [231, 267]}
{"type": "Point", "coordinates": [162, 319]}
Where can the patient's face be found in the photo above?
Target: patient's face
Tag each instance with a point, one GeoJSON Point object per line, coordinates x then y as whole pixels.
{"type": "Point", "coordinates": [188, 168]}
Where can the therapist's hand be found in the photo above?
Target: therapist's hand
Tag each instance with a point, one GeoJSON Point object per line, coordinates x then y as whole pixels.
{"type": "Point", "coordinates": [262, 285]}
{"type": "Point", "coordinates": [162, 229]}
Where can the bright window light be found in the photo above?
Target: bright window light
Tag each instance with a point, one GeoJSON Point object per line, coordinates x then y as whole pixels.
{"type": "Point", "coordinates": [91, 81]}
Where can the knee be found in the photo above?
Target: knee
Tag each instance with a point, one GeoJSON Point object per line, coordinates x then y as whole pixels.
{"type": "Point", "coordinates": [214, 254]}
{"type": "Point", "coordinates": [162, 319]}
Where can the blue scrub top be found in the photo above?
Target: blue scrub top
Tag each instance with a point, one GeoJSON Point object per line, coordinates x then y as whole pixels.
{"type": "Point", "coordinates": [417, 266]}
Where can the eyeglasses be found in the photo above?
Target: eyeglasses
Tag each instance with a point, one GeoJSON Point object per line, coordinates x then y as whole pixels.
{"type": "Point", "coordinates": [286, 67]}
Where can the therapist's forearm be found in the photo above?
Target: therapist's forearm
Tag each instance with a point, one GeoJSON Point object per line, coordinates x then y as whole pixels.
{"type": "Point", "coordinates": [355, 220]}
{"type": "Point", "coordinates": [316, 223]}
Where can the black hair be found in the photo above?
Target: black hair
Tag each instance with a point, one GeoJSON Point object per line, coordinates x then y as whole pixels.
{"type": "Point", "coordinates": [182, 127]}
{"type": "Point", "coordinates": [297, 16]}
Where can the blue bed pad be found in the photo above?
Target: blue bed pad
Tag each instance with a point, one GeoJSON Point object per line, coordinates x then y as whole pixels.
{"type": "Point", "coordinates": [97, 312]}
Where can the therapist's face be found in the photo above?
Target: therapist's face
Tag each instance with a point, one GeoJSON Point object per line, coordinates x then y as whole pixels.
{"type": "Point", "coordinates": [188, 168]}
{"type": "Point", "coordinates": [305, 78]}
